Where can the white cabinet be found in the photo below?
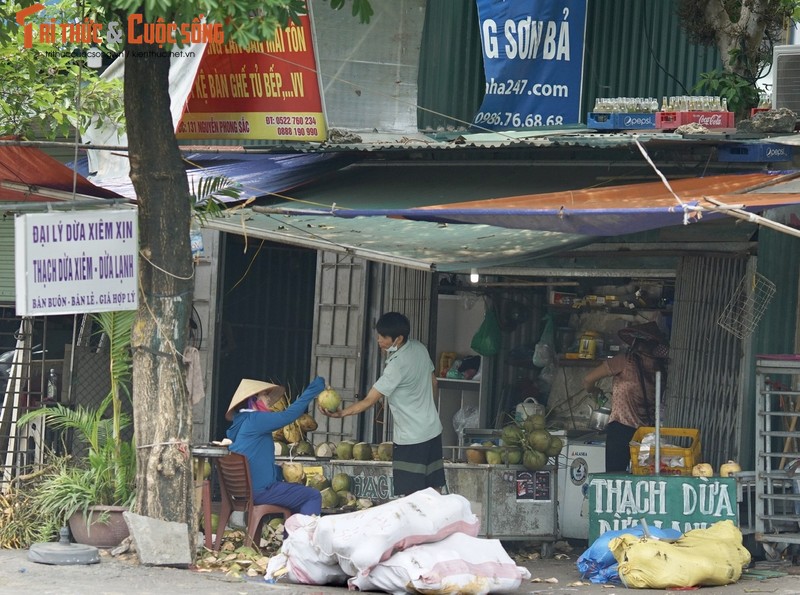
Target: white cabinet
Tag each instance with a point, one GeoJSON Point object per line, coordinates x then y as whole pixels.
{"type": "Point", "coordinates": [458, 318]}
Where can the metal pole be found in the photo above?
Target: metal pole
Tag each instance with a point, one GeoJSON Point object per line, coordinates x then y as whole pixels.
{"type": "Point", "coordinates": [657, 464]}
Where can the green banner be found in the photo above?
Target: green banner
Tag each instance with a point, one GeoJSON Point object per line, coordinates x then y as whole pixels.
{"type": "Point", "coordinates": [665, 501]}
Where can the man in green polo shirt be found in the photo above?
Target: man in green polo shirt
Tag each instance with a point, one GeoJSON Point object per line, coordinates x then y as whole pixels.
{"type": "Point", "coordinates": [409, 383]}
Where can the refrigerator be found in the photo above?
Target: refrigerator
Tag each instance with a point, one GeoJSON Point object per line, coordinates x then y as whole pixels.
{"type": "Point", "coordinates": [584, 454]}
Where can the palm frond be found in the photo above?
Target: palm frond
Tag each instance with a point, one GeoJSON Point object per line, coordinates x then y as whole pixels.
{"type": "Point", "coordinates": [85, 422]}
{"type": "Point", "coordinates": [206, 195]}
{"type": "Point", "coordinates": [107, 472]}
{"type": "Point", "coordinates": [118, 326]}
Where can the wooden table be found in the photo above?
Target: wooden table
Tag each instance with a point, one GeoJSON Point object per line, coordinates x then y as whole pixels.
{"type": "Point", "coordinates": [206, 452]}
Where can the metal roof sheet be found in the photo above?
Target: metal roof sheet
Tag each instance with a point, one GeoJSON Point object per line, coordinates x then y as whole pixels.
{"type": "Point", "coordinates": [416, 244]}
{"type": "Point", "coordinates": [572, 136]}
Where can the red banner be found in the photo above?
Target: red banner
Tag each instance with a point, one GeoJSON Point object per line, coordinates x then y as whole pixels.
{"type": "Point", "coordinates": [268, 90]}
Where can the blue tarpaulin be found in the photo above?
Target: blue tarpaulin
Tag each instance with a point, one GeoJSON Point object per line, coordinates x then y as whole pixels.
{"type": "Point", "coordinates": [609, 211]}
{"type": "Point", "coordinates": [258, 174]}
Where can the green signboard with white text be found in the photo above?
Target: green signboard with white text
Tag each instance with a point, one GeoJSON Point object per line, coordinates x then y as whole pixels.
{"type": "Point", "coordinates": [620, 501]}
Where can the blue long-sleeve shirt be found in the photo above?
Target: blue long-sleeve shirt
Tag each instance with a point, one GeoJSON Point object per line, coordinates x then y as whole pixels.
{"type": "Point", "coordinates": [251, 433]}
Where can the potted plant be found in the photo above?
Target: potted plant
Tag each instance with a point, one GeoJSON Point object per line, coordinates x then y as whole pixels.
{"type": "Point", "coordinates": [91, 494]}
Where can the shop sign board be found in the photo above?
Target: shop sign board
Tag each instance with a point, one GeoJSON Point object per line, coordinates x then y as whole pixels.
{"type": "Point", "coordinates": [533, 59]}
{"type": "Point", "coordinates": [75, 262]}
{"type": "Point", "coordinates": [665, 501]}
{"type": "Point", "coordinates": [268, 90]}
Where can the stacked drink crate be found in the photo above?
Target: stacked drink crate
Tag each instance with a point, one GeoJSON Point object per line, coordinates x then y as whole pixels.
{"type": "Point", "coordinates": [708, 111]}
{"type": "Point", "coordinates": [623, 113]}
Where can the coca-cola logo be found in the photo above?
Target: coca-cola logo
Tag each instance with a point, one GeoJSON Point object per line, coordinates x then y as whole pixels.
{"type": "Point", "coordinates": [713, 120]}
{"type": "Point", "coordinates": [638, 121]}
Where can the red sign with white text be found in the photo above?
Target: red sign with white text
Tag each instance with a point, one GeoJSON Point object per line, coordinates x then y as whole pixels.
{"type": "Point", "coordinates": [268, 90]}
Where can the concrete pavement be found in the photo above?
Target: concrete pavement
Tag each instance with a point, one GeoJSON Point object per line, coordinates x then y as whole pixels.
{"type": "Point", "coordinates": [112, 576]}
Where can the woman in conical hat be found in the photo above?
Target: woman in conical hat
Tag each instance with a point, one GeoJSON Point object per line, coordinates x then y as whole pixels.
{"type": "Point", "coordinates": [250, 388]}
{"type": "Point", "coordinates": [633, 402]}
{"type": "Point", "coordinates": [254, 420]}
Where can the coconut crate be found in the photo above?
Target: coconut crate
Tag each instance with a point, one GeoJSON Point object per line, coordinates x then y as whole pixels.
{"type": "Point", "coordinates": [606, 121]}
{"type": "Point", "coordinates": [755, 152]}
{"type": "Point", "coordinates": [677, 459]}
{"type": "Point", "coordinates": [671, 120]}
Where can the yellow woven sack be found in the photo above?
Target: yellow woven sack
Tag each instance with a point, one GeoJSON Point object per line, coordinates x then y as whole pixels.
{"type": "Point", "coordinates": [701, 557]}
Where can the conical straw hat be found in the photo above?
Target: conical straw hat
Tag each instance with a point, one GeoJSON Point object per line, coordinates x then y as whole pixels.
{"type": "Point", "coordinates": [248, 388]}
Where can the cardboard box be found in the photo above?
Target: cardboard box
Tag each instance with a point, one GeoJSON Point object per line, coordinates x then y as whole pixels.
{"type": "Point", "coordinates": [561, 298]}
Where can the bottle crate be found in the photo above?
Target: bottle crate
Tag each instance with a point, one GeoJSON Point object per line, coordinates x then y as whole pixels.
{"type": "Point", "coordinates": [755, 152]}
{"type": "Point", "coordinates": [671, 120]}
{"type": "Point", "coordinates": [625, 121]}
{"type": "Point", "coordinates": [677, 459]}
{"type": "Point", "coordinates": [758, 110]}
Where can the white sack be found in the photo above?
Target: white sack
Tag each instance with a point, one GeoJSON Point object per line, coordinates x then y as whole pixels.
{"type": "Point", "coordinates": [362, 539]}
{"type": "Point", "coordinates": [299, 561]}
{"type": "Point", "coordinates": [457, 564]}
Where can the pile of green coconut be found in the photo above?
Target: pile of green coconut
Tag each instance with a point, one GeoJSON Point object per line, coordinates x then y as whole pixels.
{"type": "Point", "coordinates": [337, 492]}
{"type": "Point", "coordinates": [356, 451]}
{"type": "Point", "coordinates": [346, 450]}
{"type": "Point", "coordinates": [528, 443]}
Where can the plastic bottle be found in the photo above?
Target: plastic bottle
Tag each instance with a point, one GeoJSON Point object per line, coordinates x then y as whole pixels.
{"type": "Point", "coordinates": [52, 385]}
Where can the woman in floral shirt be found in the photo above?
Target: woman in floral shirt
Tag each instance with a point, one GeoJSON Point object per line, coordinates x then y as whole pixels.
{"type": "Point", "coordinates": [633, 394]}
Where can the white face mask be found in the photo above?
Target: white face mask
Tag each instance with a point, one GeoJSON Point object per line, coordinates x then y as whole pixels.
{"type": "Point", "coordinates": [392, 348]}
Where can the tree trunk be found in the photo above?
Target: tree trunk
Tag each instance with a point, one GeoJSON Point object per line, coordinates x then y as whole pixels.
{"type": "Point", "coordinates": [161, 407]}
{"type": "Point", "coordinates": [745, 35]}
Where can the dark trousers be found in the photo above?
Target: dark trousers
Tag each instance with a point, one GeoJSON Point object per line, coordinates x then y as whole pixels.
{"type": "Point", "coordinates": [294, 496]}
{"type": "Point", "coordinates": [618, 450]}
{"type": "Point", "coordinates": [417, 466]}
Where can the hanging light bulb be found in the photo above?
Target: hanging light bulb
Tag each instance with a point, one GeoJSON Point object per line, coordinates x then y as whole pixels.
{"type": "Point", "coordinates": [473, 276]}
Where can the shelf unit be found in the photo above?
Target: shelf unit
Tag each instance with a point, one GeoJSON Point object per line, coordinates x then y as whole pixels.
{"type": "Point", "coordinates": [777, 449]}
{"type": "Point", "coordinates": [458, 318]}
{"type": "Point", "coordinates": [454, 395]}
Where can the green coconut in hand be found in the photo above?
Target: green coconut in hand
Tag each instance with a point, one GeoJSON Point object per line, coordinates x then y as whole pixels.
{"type": "Point", "coordinates": [329, 399]}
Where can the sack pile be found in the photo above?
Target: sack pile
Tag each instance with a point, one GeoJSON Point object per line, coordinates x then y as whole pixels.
{"type": "Point", "coordinates": [702, 557]}
{"type": "Point", "coordinates": [426, 541]}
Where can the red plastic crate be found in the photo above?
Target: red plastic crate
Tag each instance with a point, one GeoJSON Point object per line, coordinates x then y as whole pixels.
{"type": "Point", "coordinates": [671, 120]}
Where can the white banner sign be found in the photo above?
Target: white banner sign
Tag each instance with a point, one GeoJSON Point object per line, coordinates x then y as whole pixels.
{"type": "Point", "coordinates": [76, 262]}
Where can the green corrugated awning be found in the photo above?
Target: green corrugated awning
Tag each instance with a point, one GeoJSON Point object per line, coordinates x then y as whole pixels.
{"type": "Point", "coordinates": [417, 244]}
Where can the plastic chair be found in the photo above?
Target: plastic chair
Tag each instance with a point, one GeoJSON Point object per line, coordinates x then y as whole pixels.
{"type": "Point", "coordinates": [233, 473]}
